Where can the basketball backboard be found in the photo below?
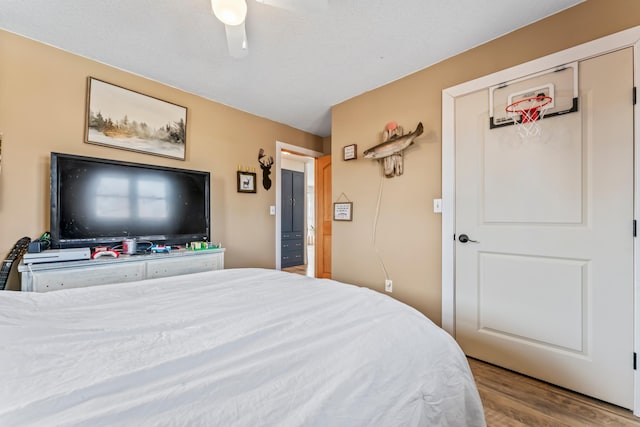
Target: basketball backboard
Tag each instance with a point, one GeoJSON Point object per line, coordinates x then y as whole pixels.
{"type": "Point", "coordinates": [560, 84]}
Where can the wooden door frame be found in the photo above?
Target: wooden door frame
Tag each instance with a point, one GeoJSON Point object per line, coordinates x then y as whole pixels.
{"type": "Point", "coordinates": [616, 41]}
{"type": "Point", "coordinates": [280, 147]}
{"type": "Point", "coordinates": [324, 223]}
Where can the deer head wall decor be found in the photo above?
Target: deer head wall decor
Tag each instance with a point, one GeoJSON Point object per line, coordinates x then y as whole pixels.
{"type": "Point", "coordinates": [265, 165]}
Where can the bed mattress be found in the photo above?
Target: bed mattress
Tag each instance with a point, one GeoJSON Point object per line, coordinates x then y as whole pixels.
{"type": "Point", "coordinates": [237, 347]}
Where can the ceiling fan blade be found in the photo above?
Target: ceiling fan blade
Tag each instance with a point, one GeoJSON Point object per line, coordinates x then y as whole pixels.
{"type": "Point", "coordinates": [237, 40]}
{"type": "Point", "coordinates": [298, 5]}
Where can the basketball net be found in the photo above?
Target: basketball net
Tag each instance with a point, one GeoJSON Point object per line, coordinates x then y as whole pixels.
{"type": "Point", "coordinates": [526, 113]}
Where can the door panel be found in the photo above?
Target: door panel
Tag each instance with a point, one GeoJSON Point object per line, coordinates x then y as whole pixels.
{"type": "Point", "coordinates": [526, 282]}
{"type": "Point", "coordinates": [529, 196]}
{"type": "Point", "coordinates": [548, 288]}
{"type": "Point", "coordinates": [323, 217]}
{"type": "Point", "coordinates": [297, 192]}
{"type": "Point", "coordinates": [287, 201]}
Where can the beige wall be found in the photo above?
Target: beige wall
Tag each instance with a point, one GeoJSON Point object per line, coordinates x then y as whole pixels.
{"type": "Point", "coordinates": [42, 109]}
{"type": "Point", "coordinates": [408, 234]}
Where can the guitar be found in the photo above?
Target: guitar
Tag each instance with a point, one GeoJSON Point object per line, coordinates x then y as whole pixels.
{"type": "Point", "coordinates": [19, 249]}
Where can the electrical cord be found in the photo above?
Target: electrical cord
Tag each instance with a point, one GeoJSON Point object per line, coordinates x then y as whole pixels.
{"type": "Point", "coordinates": [375, 228]}
{"type": "Point", "coordinates": [34, 278]}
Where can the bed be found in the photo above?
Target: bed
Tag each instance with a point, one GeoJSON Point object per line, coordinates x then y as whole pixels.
{"type": "Point", "coordinates": [236, 347]}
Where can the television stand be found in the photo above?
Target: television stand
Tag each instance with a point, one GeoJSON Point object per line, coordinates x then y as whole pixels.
{"type": "Point", "coordinates": [53, 276]}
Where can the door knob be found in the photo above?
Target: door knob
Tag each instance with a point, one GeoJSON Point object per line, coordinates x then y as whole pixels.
{"type": "Point", "coordinates": [463, 238]}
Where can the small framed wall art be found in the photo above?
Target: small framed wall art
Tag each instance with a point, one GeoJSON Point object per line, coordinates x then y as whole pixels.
{"type": "Point", "coordinates": [246, 182]}
{"type": "Point", "coordinates": [350, 152]}
{"type": "Point", "coordinates": [343, 211]}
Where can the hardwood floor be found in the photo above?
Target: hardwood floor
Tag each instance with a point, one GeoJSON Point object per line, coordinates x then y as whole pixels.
{"type": "Point", "coordinates": [298, 269]}
{"type": "Point", "coordinates": [306, 269]}
{"type": "Point", "coordinates": [514, 400]}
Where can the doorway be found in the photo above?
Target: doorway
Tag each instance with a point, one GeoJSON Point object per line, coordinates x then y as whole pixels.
{"type": "Point", "coordinates": [293, 158]}
{"type": "Point", "coordinates": [628, 38]}
{"type": "Point", "coordinates": [544, 255]}
{"type": "Point", "coordinates": [297, 220]}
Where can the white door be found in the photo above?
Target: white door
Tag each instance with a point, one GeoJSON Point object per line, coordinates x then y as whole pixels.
{"type": "Point", "coordinates": [548, 288]}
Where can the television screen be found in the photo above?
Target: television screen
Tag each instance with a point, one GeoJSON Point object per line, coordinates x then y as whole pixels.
{"type": "Point", "coordinates": [102, 202]}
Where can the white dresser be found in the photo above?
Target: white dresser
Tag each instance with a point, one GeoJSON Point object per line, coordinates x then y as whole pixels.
{"type": "Point", "coordinates": [52, 276]}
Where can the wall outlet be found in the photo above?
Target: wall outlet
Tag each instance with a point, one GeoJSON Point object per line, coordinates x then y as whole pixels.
{"type": "Point", "coordinates": [388, 285]}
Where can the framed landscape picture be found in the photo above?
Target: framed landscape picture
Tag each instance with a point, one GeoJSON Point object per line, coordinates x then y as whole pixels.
{"type": "Point", "coordinates": [122, 118]}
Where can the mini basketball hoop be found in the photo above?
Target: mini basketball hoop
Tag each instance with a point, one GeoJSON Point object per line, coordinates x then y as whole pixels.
{"type": "Point", "coordinates": [526, 112]}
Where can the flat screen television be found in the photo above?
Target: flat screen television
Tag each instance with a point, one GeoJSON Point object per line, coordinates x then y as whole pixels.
{"type": "Point", "coordinates": [97, 202]}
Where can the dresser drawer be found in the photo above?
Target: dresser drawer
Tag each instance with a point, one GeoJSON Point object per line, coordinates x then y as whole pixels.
{"type": "Point", "coordinates": [52, 276]}
{"type": "Point", "coordinates": [85, 276]}
{"type": "Point", "coordinates": [290, 259]}
{"type": "Point", "coordinates": [292, 245]}
{"type": "Point", "coordinates": [292, 235]}
{"type": "Point", "coordinates": [177, 266]}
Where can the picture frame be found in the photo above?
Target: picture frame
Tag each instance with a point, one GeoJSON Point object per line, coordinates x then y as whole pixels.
{"type": "Point", "coordinates": [246, 182]}
{"type": "Point", "coordinates": [343, 211]}
{"type": "Point", "coordinates": [123, 118]}
{"type": "Point", "coordinates": [350, 152]}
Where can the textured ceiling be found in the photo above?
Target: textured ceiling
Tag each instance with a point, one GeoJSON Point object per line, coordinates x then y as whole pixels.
{"type": "Point", "coordinates": [299, 64]}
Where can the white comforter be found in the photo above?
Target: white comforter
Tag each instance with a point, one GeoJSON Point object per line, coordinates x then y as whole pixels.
{"type": "Point", "coordinates": [246, 347]}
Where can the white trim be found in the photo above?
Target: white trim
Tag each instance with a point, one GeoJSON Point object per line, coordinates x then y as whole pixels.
{"type": "Point", "coordinates": [448, 213]}
{"type": "Point", "coordinates": [626, 38]}
{"type": "Point", "coordinates": [636, 245]}
{"type": "Point", "coordinates": [280, 146]}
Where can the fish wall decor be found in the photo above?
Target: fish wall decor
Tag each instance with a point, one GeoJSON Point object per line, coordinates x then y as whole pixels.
{"type": "Point", "coordinates": [390, 152]}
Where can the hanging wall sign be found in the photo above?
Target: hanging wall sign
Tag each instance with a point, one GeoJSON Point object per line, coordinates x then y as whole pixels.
{"type": "Point", "coordinates": [343, 211]}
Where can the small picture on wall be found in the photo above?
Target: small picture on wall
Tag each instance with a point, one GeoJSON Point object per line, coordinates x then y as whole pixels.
{"type": "Point", "coordinates": [121, 118]}
{"type": "Point", "coordinates": [343, 211]}
{"type": "Point", "coordinates": [246, 182]}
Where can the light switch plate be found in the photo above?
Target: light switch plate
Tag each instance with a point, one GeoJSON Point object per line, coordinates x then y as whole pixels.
{"type": "Point", "coordinates": [437, 205]}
